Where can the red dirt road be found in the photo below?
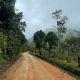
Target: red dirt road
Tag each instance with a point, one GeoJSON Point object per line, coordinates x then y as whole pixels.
{"type": "Point", "coordinates": [29, 67]}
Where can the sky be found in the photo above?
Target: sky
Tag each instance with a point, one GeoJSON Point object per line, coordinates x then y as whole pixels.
{"type": "Point", "coordinates": [38, 13]}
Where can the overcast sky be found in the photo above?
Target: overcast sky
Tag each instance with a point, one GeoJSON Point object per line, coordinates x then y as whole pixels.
{"type": "Point", "coordinates": [37, 13]}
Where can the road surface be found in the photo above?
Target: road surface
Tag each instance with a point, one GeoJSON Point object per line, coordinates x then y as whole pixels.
{"type": "Point", "coordinates": [29, 67]}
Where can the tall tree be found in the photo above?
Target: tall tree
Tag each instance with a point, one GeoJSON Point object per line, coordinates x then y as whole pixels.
{"type": "Point", "coordinates": [39, 39]}
{"type": "Point", "coordinates": [61, 21]}
{"type": "Point", "coordinates": [52, 40]}
{"type": "Point", "coordinates": [12, 27]}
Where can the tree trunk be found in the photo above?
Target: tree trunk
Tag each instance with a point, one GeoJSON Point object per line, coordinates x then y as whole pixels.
{"type": "Point", "coordinates": [40, 51]}
{"type": "Point", "coordinates": [78, 61]}
{"type": "Point", "coordinates": [35, 50]}
{"type": "Point", "coordinates": [49, 51]}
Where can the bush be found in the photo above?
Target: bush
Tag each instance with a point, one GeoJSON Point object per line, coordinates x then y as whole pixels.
{"type": "Point", "coordinates": [64, 64]}
{"type": "Point", "coordinates": [68, 66]}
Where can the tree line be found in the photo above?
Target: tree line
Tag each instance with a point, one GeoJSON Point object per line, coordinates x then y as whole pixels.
{"type": "Point", "coordinates": [55, 46]}
{"type": "Point", "coordinates": [12, 27]}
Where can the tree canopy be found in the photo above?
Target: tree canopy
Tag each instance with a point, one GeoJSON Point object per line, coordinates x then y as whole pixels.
{"type": "Point", "coordinates": [12, 26]}
{"type": "Point", "coordinates": [52, 40]}
{"type": "Point", "coordinates": [38, 39]}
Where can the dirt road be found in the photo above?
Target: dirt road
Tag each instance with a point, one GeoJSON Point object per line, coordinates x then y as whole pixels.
{"type": "Point", "coordinates": [29, 67]}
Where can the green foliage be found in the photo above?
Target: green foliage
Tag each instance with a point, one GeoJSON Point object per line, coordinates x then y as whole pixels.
{"type": "Point", "coordinates": [2, 40]}
{"type": "Point", "coordinates": [52, 40]}
{"type": "Point", "coordinates": [39, 39]}
{"type": "Point", "coordinates": [61, 21]}
{"type": "Point", "coordinates": [73, 44]}
{"type": "Point", "coordinates": [62, 51]}
{"type": "Point", "coordinates": [71, 67]}
{"type": "Point", "coordinates": [12, 27]}
{"type": "Point", "coordinates": [61, 25]}
{"type": "Point", "coordinates": [79, 61]}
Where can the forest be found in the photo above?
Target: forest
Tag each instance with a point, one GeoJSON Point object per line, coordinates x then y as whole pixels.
{"type": "Point", "coordinates": [55, 47]}
{"type": "Point", "coordinates": [12, 38]}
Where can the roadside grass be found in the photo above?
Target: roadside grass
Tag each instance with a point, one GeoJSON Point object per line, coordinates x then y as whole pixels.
{"type": "Point", "coordinates": [6, 63]}
{"type": "Point", "coordinates": [66, 63]}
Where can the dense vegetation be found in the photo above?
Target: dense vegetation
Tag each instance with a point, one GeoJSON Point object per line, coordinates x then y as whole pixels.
{"type": "Point", "coordinates": [57, 48]}
{"type": "Point", "coordinates": [12, 38]}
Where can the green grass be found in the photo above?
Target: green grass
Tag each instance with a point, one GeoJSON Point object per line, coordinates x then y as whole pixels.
{"type": "Point", "coordinates": [64, 61]}
{"type": "Point", "coordinates": [6, 62]}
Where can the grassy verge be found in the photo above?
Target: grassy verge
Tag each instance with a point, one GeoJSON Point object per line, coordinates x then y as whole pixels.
{"type": "Point", "coordinates": [70, 67]}
{"type": "Point", "coordinates": [6, 63]}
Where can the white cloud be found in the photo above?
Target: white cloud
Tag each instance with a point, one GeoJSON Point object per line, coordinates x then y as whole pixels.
{"type": "Point", "coordinates": [37, 13]}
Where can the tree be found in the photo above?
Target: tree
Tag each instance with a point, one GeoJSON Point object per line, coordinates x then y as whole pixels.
{"type": "Point", "coordinates": [12, 39]}
{"type": "Point", "coordinates": [39, 40]}
{"type": "Point", "coordinates": [61, 21]}
{"type": "Point", "coordinates": [73, 44]}
{"type": "Point", "coordinates": [7, 11]}
{"type": "Point", "coordinates": [2, 42]}
{"type": "Point", "coordinates": [52, 40]}
{"type": "Point", "coordinates": [12, 26]}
